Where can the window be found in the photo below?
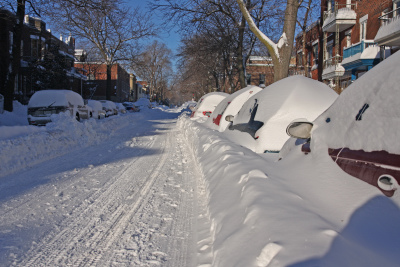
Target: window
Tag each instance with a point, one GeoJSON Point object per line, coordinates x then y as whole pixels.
{"type": "Point", "coordinates": [348, 3]}
{"type": "Point", "coordinates": [34, 47]}
{"type": "Point", "coordinates": [299, 58]}
{"type": "Point", "coordinates": [248, 78]}
{"type": "Point", "coordinates": [262, 78]}
{"type": "Point", "coordinates": [11, 41]}
{"type": "Point", "coordinates": [396, 5]}
{"type": "Point", "coordinates": [348, 38]}
{"type": "Point", "coordinates": [363, 27]}
{"type": "Point", "coordinates": [329, 51]}
{"type": "Point", "coordinates": [315, 51]}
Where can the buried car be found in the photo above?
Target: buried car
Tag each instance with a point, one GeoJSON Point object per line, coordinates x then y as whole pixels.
{"type": "Point", "coordinates": [230, 105]}
{"type": "Point", "coordinates": [109, 107]}
{"type": "Point", "coordinates": [360, 131]}
{"type": "Point", "coordinates": [43, 104]}
{"type": "Point", "coordinates": [207, 104]}
{"type": "Point", "coordinates": [97, 109]}
{"type": "Point", "coordinates": [266, 115]}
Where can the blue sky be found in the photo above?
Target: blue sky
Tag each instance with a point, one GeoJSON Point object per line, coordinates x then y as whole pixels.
{"type": "Point", "coordinates": [170, 38]}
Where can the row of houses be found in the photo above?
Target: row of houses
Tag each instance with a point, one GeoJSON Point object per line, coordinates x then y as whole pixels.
{"type": "Point", "coordinates": [67, 64]}
{"type": "Point", "coordinates": [350, 38]}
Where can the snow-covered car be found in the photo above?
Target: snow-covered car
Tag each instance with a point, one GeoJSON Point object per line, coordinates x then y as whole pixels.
{"type": "Point", "coordinates": [230, 105]}
{"type": "Point", "coordinates": [45, 103]}
{"type": "Point", "coordinates": [143, 103]}
{"type": "Point", "coordinates": [360, 131]}
{"type": "Point", "coordinates": [207, 104]}
{"type": "Point", "coordinates": [121, 108]}
{"type": "Point", "coordinates": [266, 115]}
{"type": "Point", "coordinates": [109, 107]}
{"type": "Point", "coordinates": [97, 109]}
{"type": "Point", "coordinates": [130, 107]}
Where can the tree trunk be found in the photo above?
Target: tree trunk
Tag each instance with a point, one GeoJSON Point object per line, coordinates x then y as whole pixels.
{"type": "Point", "coordinates": [108, 83]}
{"type": "Point", "coordinates": [305, 62]}
{"type": "Point", "coordinates": [281, 65]}
{"type": "Point", "coordinates": [240, 63]}
{"type": "Point", "coordinates": [16, 57]}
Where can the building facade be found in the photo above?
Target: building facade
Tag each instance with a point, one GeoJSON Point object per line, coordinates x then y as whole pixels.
{"type": "Point", "coordinates": [42, 55]}
{"type": "Point", "coordinates": [307, 49]}
{"type": "Point", "coordinates": [349, 28]}
{"type": "Point", "coordinates": [260, 70]}
{"type": "Point", "coordinates": [95, 87]}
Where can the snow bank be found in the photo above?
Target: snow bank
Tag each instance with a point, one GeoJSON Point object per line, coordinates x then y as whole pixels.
{"type": "Point", "coordinates": [24, 146]}
{"type": "Point", "coordinates": [302, 211]}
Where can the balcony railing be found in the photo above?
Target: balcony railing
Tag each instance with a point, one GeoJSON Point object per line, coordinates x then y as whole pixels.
{"type": "Point", "coordinates": [333, 61]}
{"type": "Point", "coordinates": [390, 15]}
{"type": "Point", "coordinates": [389, 33]}
{"type": "Point", "coordinates": [357, 48]}
{"type": "Point", "coordinates": [342, 14]}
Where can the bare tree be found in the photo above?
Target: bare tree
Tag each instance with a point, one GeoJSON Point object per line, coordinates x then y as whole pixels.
{"type": "Point", "coordinates": [281, 51]}
{"type": "Point", "coordinates": [110, 26]}
{"type": "Point", "coordinates": [154, 66]}
{"type": "Point", "coordinates": [221, 17]}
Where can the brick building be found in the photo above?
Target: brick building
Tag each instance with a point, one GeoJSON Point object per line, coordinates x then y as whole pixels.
{"type": "Point", "coordinates": [96, 85]}
{"type": "Point", "coordinates": [260, 70]}
{"type": "Point", "coordinates": [36, 45]}
{"type": "Point", "coordinates": [349, 28]}
{"type": "Point", "coordinates": [309, 66]}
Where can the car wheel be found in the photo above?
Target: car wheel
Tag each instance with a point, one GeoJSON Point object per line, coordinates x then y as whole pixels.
{"type": "Point", "coordinates": [77, 117]}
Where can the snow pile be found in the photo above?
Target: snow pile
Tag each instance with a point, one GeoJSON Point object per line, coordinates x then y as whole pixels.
{"type": "Point", "coordinates": [301, 211]}
{"type": "Point", "coordinates": [24, 146]}
{"type": "Point", "coordinates": [377, 128]}
{"type": "Point", "coordinates": [17, 117]}
{"type": "Point", "coordinates": [143, 103]}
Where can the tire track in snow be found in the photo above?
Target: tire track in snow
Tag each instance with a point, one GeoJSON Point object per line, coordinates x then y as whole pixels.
{"type": "Point", "coordinates": [65, 246]}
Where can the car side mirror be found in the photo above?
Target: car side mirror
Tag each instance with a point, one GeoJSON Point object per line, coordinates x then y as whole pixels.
{"type": "Point", "coordinates": [229, 117]}
{"type": "Point", "coordinates": [299, 129]}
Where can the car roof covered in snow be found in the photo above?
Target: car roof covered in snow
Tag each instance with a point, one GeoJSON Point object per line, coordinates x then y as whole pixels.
{"type": "Point", "coordinates": [96, 105]}
{"type": "Point", "coordinates": [45, 98]}
{"type": "Point", "coordinates": [208, 102]}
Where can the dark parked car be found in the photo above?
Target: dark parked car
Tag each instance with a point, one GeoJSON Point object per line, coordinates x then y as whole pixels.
{"type": "Point", "coordinates": [360, 131]}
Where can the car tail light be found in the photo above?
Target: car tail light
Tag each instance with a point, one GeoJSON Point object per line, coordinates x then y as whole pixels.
{"type": "Point", "coordinates": [217, 120]}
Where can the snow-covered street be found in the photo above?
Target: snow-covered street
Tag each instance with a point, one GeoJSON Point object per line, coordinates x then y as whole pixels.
{"type": "Point", "coordinates": [129, 200]}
